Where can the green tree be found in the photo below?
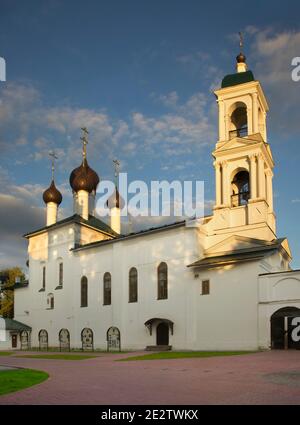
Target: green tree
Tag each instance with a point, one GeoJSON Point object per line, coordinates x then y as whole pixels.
{"type": "Point", "coordinates": [8, 278]}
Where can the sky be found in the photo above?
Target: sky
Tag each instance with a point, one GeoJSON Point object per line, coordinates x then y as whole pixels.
{"type": "Point", "coordinates": [140, 75]}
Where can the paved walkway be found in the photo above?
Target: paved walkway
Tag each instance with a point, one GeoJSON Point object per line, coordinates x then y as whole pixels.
{"type": "Point", "coordinates": [6, 367]}
{"type": "Point", "coordinates": [260, 378]}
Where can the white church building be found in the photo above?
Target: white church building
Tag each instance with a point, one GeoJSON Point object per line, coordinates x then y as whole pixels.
{"type": "Point", "coordinates": [223, 284]}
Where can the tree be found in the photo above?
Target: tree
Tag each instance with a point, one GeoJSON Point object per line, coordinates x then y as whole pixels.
{"type": "Point", "coordinates": [8, 278]}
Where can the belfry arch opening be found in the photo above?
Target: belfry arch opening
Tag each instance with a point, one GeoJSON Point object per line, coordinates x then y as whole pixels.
{"type": "Point", "coordinates": [240, 190]}
{"type": "Point", "coordinates": [238, 125]}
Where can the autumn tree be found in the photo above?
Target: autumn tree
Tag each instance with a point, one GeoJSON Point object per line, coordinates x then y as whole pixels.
{"type": "Point", "coordinates": [8, 278]}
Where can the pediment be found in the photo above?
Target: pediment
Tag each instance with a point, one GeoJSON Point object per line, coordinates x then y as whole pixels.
{"type": "Point", "coordinates": [234, 243]}
{"type": "Point", "coordinates": [238, 142]}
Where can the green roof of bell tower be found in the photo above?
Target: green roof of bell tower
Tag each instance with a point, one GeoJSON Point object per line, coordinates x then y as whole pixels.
{"type": "Point", "coordinates": [237, 78]}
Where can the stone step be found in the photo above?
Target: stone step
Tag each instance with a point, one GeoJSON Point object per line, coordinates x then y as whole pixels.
{"type": "Point", "coordinates": [158, 347]}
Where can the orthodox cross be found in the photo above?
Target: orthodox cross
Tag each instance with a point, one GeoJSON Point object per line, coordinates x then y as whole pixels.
{"type": "Point", "coordinates": [53, 156]}
{"type": "Point", "coordinates": [117, 167]}
{"type": "Point", "coordinates": [84, 139]}
{"type": "Point", "coordinates": [241, 40]}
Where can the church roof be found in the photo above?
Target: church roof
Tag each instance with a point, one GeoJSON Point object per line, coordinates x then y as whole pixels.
{"type": "Point", "coordinates": [23, 284]}
{"type": "Point", "coordinates": [132, 235]}
{"type": "Point", "coordinates": [239, 255]}
{"type": "Point", "coordinates": [93, 222]}
{"type": "Point", "coordinates": [237, 78]}
{"type": "Point", "coordinates": [13, 325]}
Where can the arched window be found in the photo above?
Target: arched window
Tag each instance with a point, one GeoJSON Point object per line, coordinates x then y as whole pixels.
{"type": "Point", "coordinates": [84, 292]}
{"type": "Point", "coordinates": [162, 281]}
{"type": "Point", "coordinates": [107, 289]}
{"type": "Point", "coordinates": [50, 301]}
{"type": "Point", "coordinates": [240, 193]}
{"type": "Point", "coordinates": [238, 121]}
{"type": "Point", "coordinates": [133, 285]}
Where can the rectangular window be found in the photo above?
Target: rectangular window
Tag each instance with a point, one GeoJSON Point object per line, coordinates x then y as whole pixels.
{"type": "Point", "coordinates": [44, 278]}
{"type": "Point", "coordinates": [205, 287]}
{"type": "Point", "coordinates": [61, 274]}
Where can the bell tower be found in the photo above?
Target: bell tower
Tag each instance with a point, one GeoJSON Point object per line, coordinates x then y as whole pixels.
{"type": "Point", "coordinates": [243, 159]}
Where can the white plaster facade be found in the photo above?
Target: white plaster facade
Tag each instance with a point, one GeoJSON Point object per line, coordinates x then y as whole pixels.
{"type": "Point", "coordinates": [235, 248]}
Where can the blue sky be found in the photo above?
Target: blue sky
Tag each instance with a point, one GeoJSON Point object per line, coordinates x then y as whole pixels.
{"type": "Point", "coordinates": [140, 75]}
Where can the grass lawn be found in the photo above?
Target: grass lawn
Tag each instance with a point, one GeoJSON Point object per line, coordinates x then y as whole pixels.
{"type": "Point", "coordinates": [5, 353]}
{"type": "Point", "coordinates": [59, 356]}
{"type": "Point", "coordinates": [14, 380]}
{"type": "Point", "coordinates": [184, 355]}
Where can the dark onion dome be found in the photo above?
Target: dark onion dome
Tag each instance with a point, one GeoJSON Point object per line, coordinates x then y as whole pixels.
{"type": "Point", "coordinates": [115, 200]}
{"type": "Point", "coordinates": [241, 58]}
{"type": "Point", "coordinates": [52, 194]}
{"type": "Point", "coordinates": [84, 178]}
{"type": "Point", "coordinates": [83, 181]}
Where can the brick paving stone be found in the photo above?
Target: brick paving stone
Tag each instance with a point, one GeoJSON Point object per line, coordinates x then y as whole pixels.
{"type": "Point", "coordinates": [245, 379]}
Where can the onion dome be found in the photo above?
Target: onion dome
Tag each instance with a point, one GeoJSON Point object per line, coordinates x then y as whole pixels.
{"type": "Point", "coordinates": [84, 178]}
{"type": "Point", "coordinates": [241, 58]}
{"type": "Point", "coordinates": [115, 200]}
{"type": "Point", "coordinates": [52, 194]}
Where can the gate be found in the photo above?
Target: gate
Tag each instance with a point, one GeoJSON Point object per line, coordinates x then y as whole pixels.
{"type": "Point", "coordinates": [24, 340]}
{"type": "Point", "coordinates": [43, 339]}
{"type": "Point", "coordinates": [64, 340]}
{"type": "Point", "coordinates": [87, 339]}
{"type": "Point", "coordinates": [113, 338]}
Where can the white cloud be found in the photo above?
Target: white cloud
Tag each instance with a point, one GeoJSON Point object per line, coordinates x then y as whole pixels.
{"type": "Point", "coordinates": [37, 128]}
{"type": "Point", "coordinates": [183, 124]}
{"type": "Point", "coordinates": [169, 99]}
{"type": "Point", "coordinates": [271, 56]}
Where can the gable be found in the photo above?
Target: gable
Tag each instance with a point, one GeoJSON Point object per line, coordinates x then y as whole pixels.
{"type": "Point", "coordinates": [285, 245]}
{"type": "Point", "coordinates": [240, 142]}
{"type": "Point", "coordinates": [234, 243]}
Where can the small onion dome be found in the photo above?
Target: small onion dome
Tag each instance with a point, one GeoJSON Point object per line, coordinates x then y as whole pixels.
{"type": "Point", "coordinates": [241, 58]}
{"type": "Point", "coordinates": [52, 194]}
{"type": "Point", "coordinates": [115, 200]}
{"type": "Point", "coordinates": [84, 178]}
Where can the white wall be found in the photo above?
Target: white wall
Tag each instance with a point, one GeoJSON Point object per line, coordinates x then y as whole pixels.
{"type": "Point", "coordinates": [225, 319]}
{"type": "Point", "coordinates": [177, 247]}
{"type": "Point", "coordinates": [276, 290]}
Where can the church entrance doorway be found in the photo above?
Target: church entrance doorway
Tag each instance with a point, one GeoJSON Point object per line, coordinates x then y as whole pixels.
{"type": "Point", "coordinates": [162, 334]}
{"type": "Point", "coordinates": [14, 341]}
{"type": "Point", "coordinates": [285, 328]}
